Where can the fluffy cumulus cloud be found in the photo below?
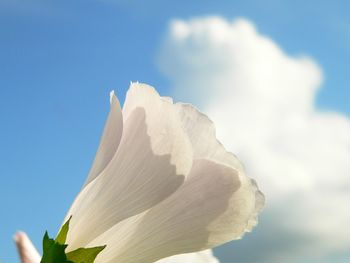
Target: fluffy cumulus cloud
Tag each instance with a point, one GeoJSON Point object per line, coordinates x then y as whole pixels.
{"type": "Point", "coordinates": [263, 103]}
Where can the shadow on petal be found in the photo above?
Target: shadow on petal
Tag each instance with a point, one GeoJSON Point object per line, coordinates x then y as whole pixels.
{"type": "Point", "coordinates": [204, 212]}
{"type": "Point", "coordinates": [136, 179]}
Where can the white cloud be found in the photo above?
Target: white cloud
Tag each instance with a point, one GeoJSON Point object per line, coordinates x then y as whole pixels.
{"type": "Point", "coordinates": [263, 103]}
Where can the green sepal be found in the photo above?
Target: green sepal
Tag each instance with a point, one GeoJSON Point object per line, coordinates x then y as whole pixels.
{"type": "Point", "coordinates": [62, 235]}
{"type": "Point", "coordinates": [84, 255]}
{"type": "Point", "coordinates": [53, 252]}
{"type": "Point", "coordinates": [54, 249]}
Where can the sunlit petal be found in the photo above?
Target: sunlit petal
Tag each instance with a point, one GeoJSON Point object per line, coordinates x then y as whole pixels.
{"type": "Point", "coordinates": [202, 134]}
{"type": "Point", "coordinates": [110, 139]}
{"type": "Point", "coordinates": [205, 256]}
{"type": "Point", "coordinates": [153, 158]}
{"type": "Point", "coordinates": [212, 207]}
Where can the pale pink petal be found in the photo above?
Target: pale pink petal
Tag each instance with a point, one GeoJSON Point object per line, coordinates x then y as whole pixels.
{"type": "Point", "coordinates": [202, 134]}
{"type": "Point", "coordinates": [153, 158]}
{"type": "Point", "coordinates": [205, 256]}
{"type": "Point", "coordinates": [26, 250]}
{"type": "Point", "coordinates": [212, 207]}
{"type": "Point", "coordinates": [110, 139]}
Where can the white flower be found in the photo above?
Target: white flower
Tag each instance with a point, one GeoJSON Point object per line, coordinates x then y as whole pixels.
{"type": "Point", "coordinates": [161, 184]}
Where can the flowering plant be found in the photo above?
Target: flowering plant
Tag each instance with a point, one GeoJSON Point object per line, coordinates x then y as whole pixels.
{"type": "Point", "coordinates": [161, 184]}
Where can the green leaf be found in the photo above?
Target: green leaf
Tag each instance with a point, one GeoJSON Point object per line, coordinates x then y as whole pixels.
{"type": "Point", "coordinates": [62, 235]}
{"type": "Point", "coordinates": [84, 255]}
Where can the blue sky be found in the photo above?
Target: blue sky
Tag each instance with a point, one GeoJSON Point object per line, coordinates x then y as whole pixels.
{"type": "Point", "coordinates": [60, 59]}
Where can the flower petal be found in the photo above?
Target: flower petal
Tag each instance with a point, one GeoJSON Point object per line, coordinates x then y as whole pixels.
{"type": "Point", "coordinates": [27, 251]}
{"type": "Point", "coordinates": [152, 161]}
{"type": "Point", "coordinates": [110, 139]}
{"type": "Point", "coordinates": [212, 207]}
{"type": "Point", "coordinates": [202, 134]}
{"type": "Point", "coordinates": [205, 256]}
{"type": "Point", "coordinates": [163, 123]}
{"type": "Point", "coordinates": [259, 205]}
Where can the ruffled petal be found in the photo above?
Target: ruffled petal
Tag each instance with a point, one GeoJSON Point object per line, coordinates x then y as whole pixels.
{"type": "Point", "coordinates": [153, 158]}
{"type": "Point", "coordinates": [205, 256]}
{"type": "Point", "coordinates": [110, 139]}
{"type": "Point", "coordinates": [259, 205]}
{"type": "Point", "coordinates": [202, 134]}
{"type": "Point", "coordinates": [27, 251]}
{"type": "Point", "coordinates": [212, 207]}
{"type": "Point", "coordinates": [163, 124]}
